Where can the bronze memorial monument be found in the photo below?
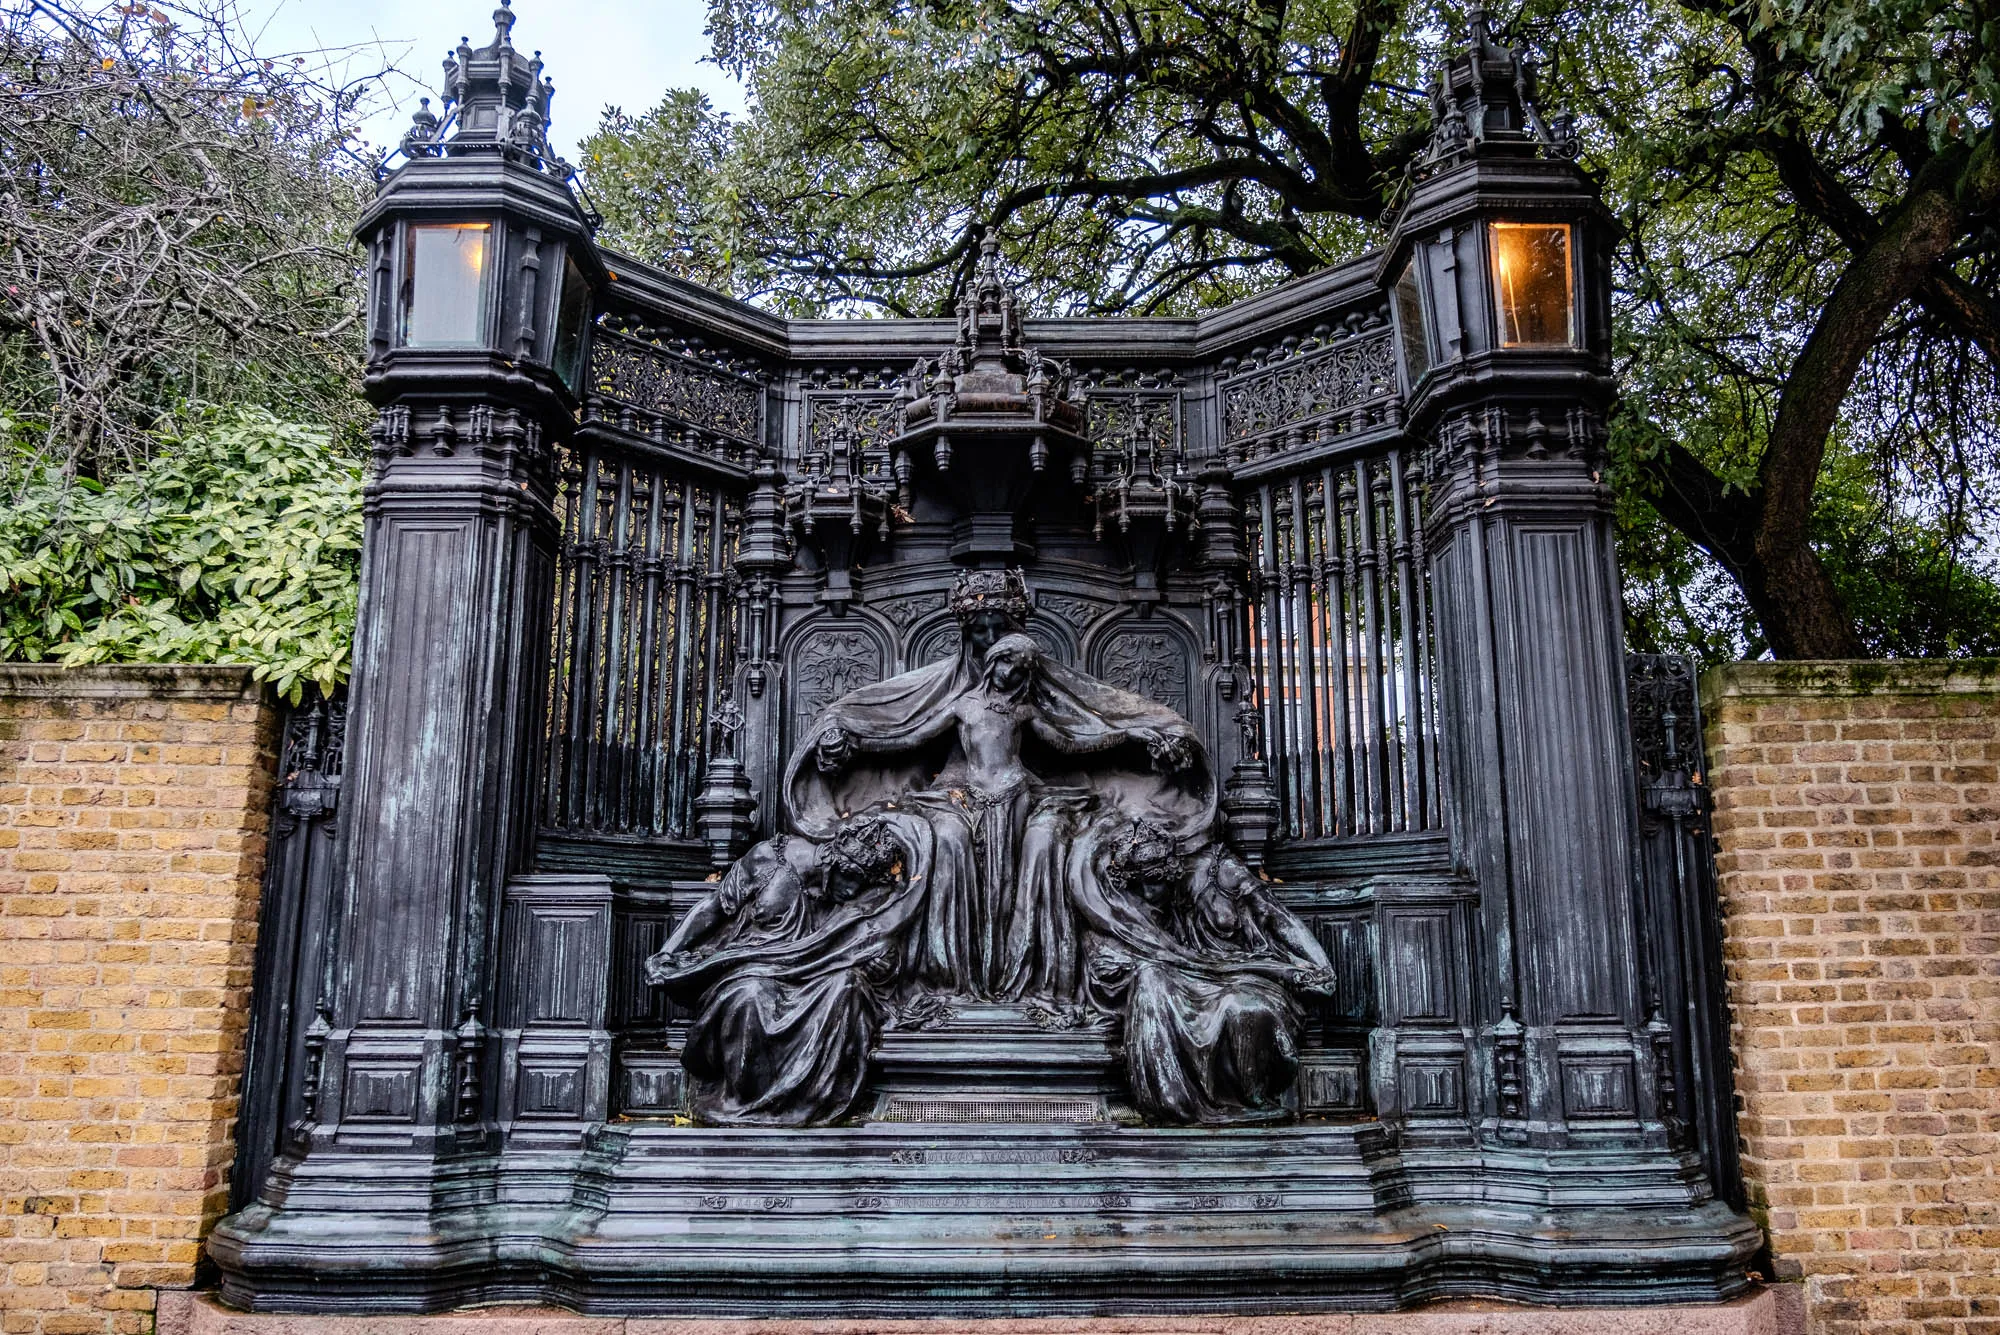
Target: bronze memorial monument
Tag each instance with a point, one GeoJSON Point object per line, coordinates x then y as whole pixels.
{"type": "Point", "coordinates": [988, 815]}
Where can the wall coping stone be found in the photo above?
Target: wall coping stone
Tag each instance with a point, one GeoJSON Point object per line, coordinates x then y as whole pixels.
{"type": "Point", "coordinates": [1849, 677]}
{"type": "Point", "coordinates": [134, 681]}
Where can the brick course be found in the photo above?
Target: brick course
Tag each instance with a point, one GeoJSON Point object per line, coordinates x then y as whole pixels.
{"type": "Point", "coordinates": [132, 817]}
{"type": "Point", "coordinates": [1857, 814]}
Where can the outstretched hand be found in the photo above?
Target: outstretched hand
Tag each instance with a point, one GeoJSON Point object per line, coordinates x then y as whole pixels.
{"type": "Point", "coordinates": [1171, 752]}
{"type": "Point", "coordinates": [834, 749]}
{"type": "Point", "coordinates": [1313, 982]}
{"type": "Point", "coordinates": [659, 968]}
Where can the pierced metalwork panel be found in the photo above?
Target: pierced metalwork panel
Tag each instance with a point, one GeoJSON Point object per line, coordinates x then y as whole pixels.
{"type": "Point", "coordinates": [1306, 379]}
{"type": "Point", "coordinates": [654, 383]}
{"type": "Point", "coordinates": [645, 636]}
{"type": "Point", "coordinates": [837, 419]}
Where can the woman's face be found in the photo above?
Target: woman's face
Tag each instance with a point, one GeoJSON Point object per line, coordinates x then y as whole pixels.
{"type": "Point", "coordinates": [1008, 670]}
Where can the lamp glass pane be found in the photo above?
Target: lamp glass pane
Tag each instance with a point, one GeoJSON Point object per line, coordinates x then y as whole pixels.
{"type": "Point", "coordinates": [1533, 286]}
{"type": "Point", "coordinates": [572, 316]}
{"type": "Point", "coordinates": [444, 285]}
{"type": "Point", "coordinates": [1411, 326]}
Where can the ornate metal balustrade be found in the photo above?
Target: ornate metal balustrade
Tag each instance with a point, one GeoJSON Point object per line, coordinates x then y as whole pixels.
{"type": "Point", "coordinates": [1341, 648]}
{"type": "Point", "coordinates": [654, 386]}
{"type": "Point", "coordinates": [1336, 381]}
{"type": "Point", "coordinates": [645, 636]}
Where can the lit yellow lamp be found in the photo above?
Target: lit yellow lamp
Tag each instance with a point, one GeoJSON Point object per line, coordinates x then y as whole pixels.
{"type": "Point", "coordinates": [1533, 284]}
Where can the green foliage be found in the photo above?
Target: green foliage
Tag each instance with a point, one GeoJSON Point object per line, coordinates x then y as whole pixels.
{"type": "Point", "coordinates": [1915, 589]}
{"type": "Point", "coordinates": [1172, 155]}
{"type": "Point", "coordinates": [236, 543]}
{"type": "Point", "coordinates": [1152, 155]}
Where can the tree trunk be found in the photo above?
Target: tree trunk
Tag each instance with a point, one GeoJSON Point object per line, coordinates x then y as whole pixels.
{"type": "Point", "coordinates": [1764, 538]}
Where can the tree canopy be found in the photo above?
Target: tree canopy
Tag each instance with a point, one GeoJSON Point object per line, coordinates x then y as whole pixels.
{"type": "Point", "coordinates": [174, 229]}
{"type": "Point", "coordinates": [1809, 446]}
{"type": "Point", "coordinates": [178, 293]}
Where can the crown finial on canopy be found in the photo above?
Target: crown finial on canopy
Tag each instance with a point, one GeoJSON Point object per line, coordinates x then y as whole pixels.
{"type": "Point", "coordinates": [1480, 28]}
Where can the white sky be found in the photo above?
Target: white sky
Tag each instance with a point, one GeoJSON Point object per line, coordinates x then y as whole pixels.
{"type": "Point", "coordinates": [623, 53]}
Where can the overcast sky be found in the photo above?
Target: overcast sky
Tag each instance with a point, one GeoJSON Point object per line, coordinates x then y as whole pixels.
{"type": "Point", "coordinates": [599, 52]}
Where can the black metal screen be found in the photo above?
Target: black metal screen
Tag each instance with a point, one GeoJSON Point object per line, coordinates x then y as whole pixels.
{"type": "Point", "coordinates": [645, 628]}
{"type": "Point", "coordinates": [1341, 648]}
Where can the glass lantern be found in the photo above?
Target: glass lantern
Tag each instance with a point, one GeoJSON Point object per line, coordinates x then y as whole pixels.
{"type": "Point", "coordinates": [572, 323]}
{"type": "Point", "coordinates": [446, 270]}
{"type": "Point", "coordinates": [1413, 332]}
{"type": "Point", "coordinates": [1534, 287]}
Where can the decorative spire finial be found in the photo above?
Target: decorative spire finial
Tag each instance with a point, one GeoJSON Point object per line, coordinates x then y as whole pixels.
{"type": "Point", "coordinates": [494, 99]}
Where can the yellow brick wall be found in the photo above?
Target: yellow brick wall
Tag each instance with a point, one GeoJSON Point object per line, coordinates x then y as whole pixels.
{"type": "Point", "coordinates": [1858, 818]}
{"type": "Point", "coordinates": [132, 818]}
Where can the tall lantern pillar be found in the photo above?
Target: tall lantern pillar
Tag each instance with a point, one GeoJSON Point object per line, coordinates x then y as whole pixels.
{"type": "Point", "coordinates": [1499, 275]}
{"type": "Point", "coordinates": [479, 308]}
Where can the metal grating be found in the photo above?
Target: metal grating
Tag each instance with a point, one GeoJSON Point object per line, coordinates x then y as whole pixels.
{"type": "Point", "coordinates": [993, 1110]}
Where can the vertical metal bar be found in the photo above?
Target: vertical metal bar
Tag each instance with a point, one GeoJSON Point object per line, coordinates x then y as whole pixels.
{"type": "Point", "coordinates": [1327, 807]}
{"type": "Point", "coordinates": [562, 679]}
{"type": "Point", "coordinates": [1333, 559]}
{"type": "Point", "coordinates": [618, 571]}
{"type": "Point", "coordinates": [646, 749]}
{"type": "Point", "coordinates": [1416, 788]}
{"type": "Point", "coordinates": [1298, 747]}
{"type": "Point", "coordinates": [1433, 710]}
{"type": "Point", "coordinates": [659, 814]}
{"type": "Point", "coordinates": [1394, 760]}
{"type": "Point", "coordinates": [1357, 658]}
{"type": "Point", "coordinates": [1302, 649]}
{"type": "Point", "coordinates": [1281, 660]}
{"type": "Point", "coordinates": [683, 628]}
{"type": "Point", "coordinates": [716, 667]}
{"type": "Point", "coordinates": [1378, 728]}
{"type": "Point", "coordinates": [583, 654]}
{"type": "Point", "coordinates": [1256, 659]}
{"type": "Point", "coordinates": [1274, 707]}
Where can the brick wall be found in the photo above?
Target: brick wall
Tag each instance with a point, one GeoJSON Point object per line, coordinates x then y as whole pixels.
{"type": "Point", "coordinates": [132, 819]}
{"type": "Point", "coordinates": [1858, 819]}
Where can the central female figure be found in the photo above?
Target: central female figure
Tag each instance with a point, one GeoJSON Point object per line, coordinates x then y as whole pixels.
{"type": "Point", "coordinates": [1002, 751]}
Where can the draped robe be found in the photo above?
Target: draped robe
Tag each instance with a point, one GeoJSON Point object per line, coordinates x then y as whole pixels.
{"type": "Point", "coordinates": [787, 1013]}
{"type": "Point", "coordinates": [998, 921]}
{"type": "Point", "coordinates": [1211, 1022]}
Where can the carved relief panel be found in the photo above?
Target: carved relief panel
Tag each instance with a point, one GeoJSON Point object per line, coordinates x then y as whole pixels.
{"type": "Point", "coordinates": [941, 641]}
{"type": "Point", "coordinates": [826, 664]}
{"type": "Point", "coordinates": [1148, 661]}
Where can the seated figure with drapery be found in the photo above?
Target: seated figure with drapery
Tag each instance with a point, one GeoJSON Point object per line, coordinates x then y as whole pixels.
{"type": "Point", "coordinates": [1206, 967]}
{"type": "Point", "coordinates": [785, 965]}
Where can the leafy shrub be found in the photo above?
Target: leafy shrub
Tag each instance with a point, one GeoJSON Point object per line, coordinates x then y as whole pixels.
{"type": "Point", "coordinates": [237, 543]}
